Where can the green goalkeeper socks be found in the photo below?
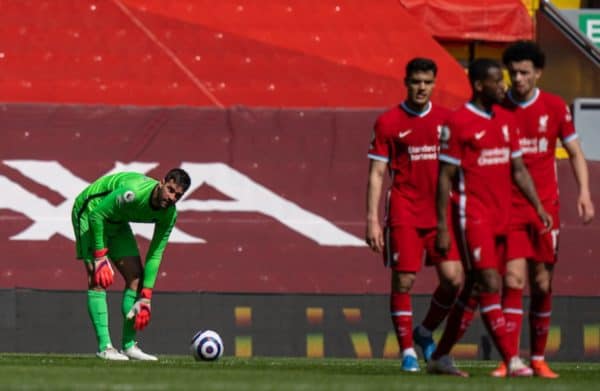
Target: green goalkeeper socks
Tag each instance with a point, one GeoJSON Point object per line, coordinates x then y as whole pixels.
{"type": "Point", "coordinates": [98, 310]}
{"type": "Point", "coordinates": [129, 297]}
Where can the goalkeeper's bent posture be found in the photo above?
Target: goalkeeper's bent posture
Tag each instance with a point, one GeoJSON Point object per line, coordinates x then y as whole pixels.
{"type": "Point", "coordinates": [101, 216]}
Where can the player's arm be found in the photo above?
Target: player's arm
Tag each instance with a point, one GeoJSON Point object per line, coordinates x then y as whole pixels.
{"type": "Point", "coordinates": [141, 310]}
{"type": "Point", "coordinates": [524, 182]}
{"type": "Point", "coordinates": [585, 207]}
{"type": "Point", "coordinates": [374, 233]}
{"type": "Point", "coordinates": [160, 238]}
{"type": "Point", "coordinates": [446, 174]}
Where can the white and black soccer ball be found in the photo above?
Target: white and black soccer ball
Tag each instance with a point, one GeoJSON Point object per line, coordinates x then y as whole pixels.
{"type": "Point", "coordinates": [206, 346]}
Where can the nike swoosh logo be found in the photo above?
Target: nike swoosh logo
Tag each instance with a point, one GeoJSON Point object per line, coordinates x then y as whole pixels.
{"type": "Point", "coordinates": [479, 135]}
{"type": "Point", "coordinates": [405, 133]}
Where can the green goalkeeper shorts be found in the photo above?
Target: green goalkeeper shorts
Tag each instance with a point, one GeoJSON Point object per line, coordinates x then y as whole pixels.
{"type": "Point", "coordinates": [119, 239]}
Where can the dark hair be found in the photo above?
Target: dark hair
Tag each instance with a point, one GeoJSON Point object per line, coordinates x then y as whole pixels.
{"type": "Point", "coordinates": [522, 51]}
{"type": "Point", "coordinates": [180, 177]}
{"type": "Point", "coordinates": [479, 69]}
{"type": "Point", "coordinates": [420, 64]}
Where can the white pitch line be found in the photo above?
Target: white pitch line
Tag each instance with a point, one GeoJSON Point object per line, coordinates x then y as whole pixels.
{"type": "Point", "coordinates": [169, 53]}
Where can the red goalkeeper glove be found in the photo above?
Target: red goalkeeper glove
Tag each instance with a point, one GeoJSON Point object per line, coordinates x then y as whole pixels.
{"type": "Point", "coordinates": [141, 310]}
{"type": "Point", "coordinates": [103, 271]}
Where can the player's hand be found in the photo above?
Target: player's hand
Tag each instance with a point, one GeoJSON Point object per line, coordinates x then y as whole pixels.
{"type": "Point", "coordinates": [442, 241]}
{"type": "Point", "coordinates": [141, 310]}
{"type": "Point", "coordinates": [103, 271]}
{"type": "Point", "coordinates": [374, 236]}
{"type": "Point", "coordinates": [585, 208]}
{"type": "Point", "coordinates": [546, 219]}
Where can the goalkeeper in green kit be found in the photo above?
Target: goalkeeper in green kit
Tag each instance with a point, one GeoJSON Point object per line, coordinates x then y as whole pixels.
{"type": "Point", "coordinates": [101, 217]}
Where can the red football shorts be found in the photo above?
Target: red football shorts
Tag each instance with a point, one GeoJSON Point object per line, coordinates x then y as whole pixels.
{"type": "Point", "coordinates": [525, 238]}
{"type": "Point", "coordinates": [406, 248]}
{"type": "Point", "coordinates": [485, 249]}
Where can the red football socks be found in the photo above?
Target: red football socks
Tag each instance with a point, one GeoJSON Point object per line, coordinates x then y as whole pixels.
{"type": "Point", "coordinates": [491, 313]}
{"type": "Point", "coordinates": [539, 323]}
{"type": "Point", "coordinates": [458, 322]}
{"type": "Point", "coordinates": [401, 312]}
{"type": "Point", "coordinates": [440, 306]}
{"type": "Point", "coordinates": [512, 305]}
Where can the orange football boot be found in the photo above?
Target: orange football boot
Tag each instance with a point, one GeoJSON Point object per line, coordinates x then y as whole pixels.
{"type": "Point", "coordinates": [500, 370]}
{"type": "Point", "coordinates": [541, 369]}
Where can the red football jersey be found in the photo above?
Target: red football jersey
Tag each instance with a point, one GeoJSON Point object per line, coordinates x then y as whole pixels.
{"type": "Point", "coordinates": [409, 143]}
{"type": "Point", "coordinates": [541, 121]}
{"type": "Point", "coordinates": [482, 145]}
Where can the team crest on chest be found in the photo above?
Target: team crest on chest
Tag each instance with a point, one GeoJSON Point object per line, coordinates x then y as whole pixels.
{"type": "Point", "coordinates": [505, 133]}
{"type": "Point", "coordinates": [543, 123]}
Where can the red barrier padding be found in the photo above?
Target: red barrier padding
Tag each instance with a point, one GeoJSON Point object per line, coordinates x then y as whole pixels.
{"type": "Point", "coordinates": [468, 20]}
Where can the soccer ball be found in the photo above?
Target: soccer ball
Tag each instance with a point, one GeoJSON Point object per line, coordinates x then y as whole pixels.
{"type": "Point", "coordinates": [206, 346]}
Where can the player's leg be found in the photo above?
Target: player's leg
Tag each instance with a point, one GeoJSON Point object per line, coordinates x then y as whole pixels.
{"type": "Point", "coordinates": [401, 313]}
{"type": "Point", "coordinates": [491, 309]}
{"type": "Point", "coordinates": [450, 276]}
{"type": "Point", "coordinates": [97, 305]}
{"type": "Point", "coordinates": [512, 304]}
{"type": "Point", "coordinates": [512, 297]}
{"type": "Point", "coordinates": [460, 318]}
{"type": "Point", "coordinates": [461, 315]}
{"type": "Point", "coordinates": [125, 255]}
{"type": "Point", "coordinates": [404, 257]}
{"type": "Point", "coordinates": [541, 270]}
{"type": "Point", "coordinates": [98, 311]}
{"type": "Point", "coordinates": [539, 316]}
{"type": "Point", "coordinates": [519, 249]}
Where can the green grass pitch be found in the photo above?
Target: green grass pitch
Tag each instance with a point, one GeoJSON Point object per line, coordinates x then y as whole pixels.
{"type": "Point", "coordinates": [85, 372]}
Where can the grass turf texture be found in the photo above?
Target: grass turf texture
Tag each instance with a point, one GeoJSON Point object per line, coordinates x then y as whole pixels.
{"type": "Point", "coordinates": [85, 372]}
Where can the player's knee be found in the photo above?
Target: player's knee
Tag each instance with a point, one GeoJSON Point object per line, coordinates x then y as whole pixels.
{"type": "Point", "coordinates": [133, 283]}
{"type": "Point", "coordinates": [452, 283]}
{"type": "Point", "coordinates": [514, 280]}
{"type": "Point", "coordinates": [489, 281]}
{"type": "Point", "coordinates": [403, 282]}
{"type": "Point", "coordinates": [541, 286]}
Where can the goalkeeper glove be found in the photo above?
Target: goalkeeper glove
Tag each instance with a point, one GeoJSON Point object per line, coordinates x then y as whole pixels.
{"type": "Point", "coordinates": [141, 310]}
{"type": "Point", "coordinates": [103, 271]}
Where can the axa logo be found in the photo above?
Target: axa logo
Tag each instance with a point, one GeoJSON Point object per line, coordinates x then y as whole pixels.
{"type": "Point", "coordinates": [245, 195]}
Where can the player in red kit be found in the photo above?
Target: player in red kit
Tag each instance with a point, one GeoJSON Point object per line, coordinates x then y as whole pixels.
{"type": "Point", "coordinates": [480, 153]}
{"type": "Point", "coordinates": [542, 119]}
{"type": "Point", "coordinates": [406, 142]}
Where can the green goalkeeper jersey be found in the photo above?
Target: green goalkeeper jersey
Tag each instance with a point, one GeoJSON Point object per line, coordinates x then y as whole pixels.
{"type": "Point", "coordinates": [120, 199]}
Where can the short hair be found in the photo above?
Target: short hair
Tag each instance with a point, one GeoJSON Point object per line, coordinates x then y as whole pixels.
{"type": "Point", "coordinates": [180, 177]}
{"type": "Point", "coordinates": [523, 51]}
{"type": "Point", "coordinates": [479, 69]}
{"type": "Point", "coordinates": [421, 64]}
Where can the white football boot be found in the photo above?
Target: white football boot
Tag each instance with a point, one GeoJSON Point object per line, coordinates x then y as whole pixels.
{"type": "Point", "coordinates": [110, 353]}
{"type": "Point", "coordinates": [517, 368]}
{"type": "Point", "coordinates": [135, 353]}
